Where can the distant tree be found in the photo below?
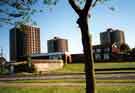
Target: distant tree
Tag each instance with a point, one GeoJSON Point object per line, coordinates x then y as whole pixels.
{"type": "Point", "coordinates": [132, 52]}
{"type": "Point", "coordinates": [124, 48]}
{"type": "Point", "coordinates": [133, 49]}
{"type": "Point", "coordinates": [24, 9]}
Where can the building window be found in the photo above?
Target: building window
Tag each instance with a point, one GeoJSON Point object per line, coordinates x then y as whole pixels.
{"type": "Point", "coordinates": [106, 49]}
{"type": "Point", "coordinates": [98, 50]}
{"type": "Point", "coordinates": [98, 56]}
{"type": "Point", "coordinates": [106, 56]}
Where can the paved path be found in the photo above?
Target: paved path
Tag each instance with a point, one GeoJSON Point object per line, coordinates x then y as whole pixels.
{"type": "Point", "coordinates": [76, 76]}
{"type": "Point", "coordinates": [102, 76]}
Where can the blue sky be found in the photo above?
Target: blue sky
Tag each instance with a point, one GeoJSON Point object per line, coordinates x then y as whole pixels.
{"type": "Point", "coordinates": [61, 22]}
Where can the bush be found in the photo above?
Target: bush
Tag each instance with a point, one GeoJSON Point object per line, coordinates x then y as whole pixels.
{"type": "Point", "coordinates": [23, 68]}
{"type": "Point", "coordinates": [3, 70]}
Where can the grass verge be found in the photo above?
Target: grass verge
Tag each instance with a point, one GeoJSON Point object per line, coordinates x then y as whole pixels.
{"type": "Point", "coordinates": [70, 68]}
{"type": "Point", "coordinates": [68, 81]}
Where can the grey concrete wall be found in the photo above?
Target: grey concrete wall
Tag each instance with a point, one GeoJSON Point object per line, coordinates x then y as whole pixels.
{"type": "Point", "coordinates": [47, 65]}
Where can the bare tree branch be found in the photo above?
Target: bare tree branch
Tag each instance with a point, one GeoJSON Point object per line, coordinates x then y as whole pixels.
{"type": "Point", "coordinates": [87, 6]}
{"type": "Point", "coordinates": [15, 15]}
{"type": "Point", "coordinates": [2, 11]}
{"type": "Point", "coordinates": [5, 19]}
{"type": "Point", "coordinates": [75, 7]}
{"type": "Point", "coordinates": [11, 14]}
{"type": "Point", "coordinates": [94, 3]}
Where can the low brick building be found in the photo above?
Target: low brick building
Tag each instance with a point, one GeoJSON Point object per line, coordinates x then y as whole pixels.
{"type": "Point", "coordinates": [36, 65]}
{"type": "Point", "coordinates": [100, 53]}
{"type": "Point", "coordinates": [105, 53]}
{"type": "Point", "coordinates": [65, 56]}
{"type": "Point", "coordinates": [47, 65]}
{"type": "Point", "coordinates": [78, 58]}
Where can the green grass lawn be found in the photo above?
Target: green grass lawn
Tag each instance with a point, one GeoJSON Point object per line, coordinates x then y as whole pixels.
{"type": "Point", "coordinates": [115, 65]}
{"type": "Point", "coordinates": [80, 67]}
{"type": "Point", "coordinates": [72, 68]}
{"type": "Point", "coordinates": [116, 89]}
{"type": "Point", "coordinates": [68, 81]}
{"type": "Point", "coordinates": [47, 81]}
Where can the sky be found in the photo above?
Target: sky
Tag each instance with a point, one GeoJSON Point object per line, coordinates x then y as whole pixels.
{"type": "Point", "coordinates": [60, 21]}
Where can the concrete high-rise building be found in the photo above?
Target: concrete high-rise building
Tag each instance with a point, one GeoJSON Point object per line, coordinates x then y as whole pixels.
{"type": "Point", "coordinates": [57, 45]}
{"type": "Point", "coordinates": [105, 37]}
{"type": "Point", "coordinates": [118, 37]}
{"type": "Point", "coordinates": [24, 41]}
{"type": "Point", "coordinates": [16, 43]}
{"type": "Point", "coordinates": [111, 37]}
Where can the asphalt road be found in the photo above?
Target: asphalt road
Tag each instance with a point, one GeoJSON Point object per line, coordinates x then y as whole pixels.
{"type": "Point", "coordinates": [99, 76]}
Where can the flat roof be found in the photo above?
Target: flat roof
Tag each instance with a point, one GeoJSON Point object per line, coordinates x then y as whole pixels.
{"type": "Point", "coordinates": [50, 54]}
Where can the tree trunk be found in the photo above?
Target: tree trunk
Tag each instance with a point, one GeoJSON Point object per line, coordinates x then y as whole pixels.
{"type": "Point", "coordinates": [87, 48]}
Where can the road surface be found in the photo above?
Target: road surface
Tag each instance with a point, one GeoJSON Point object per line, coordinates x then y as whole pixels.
{"type": "Point", "coordinates": [99, 76]}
